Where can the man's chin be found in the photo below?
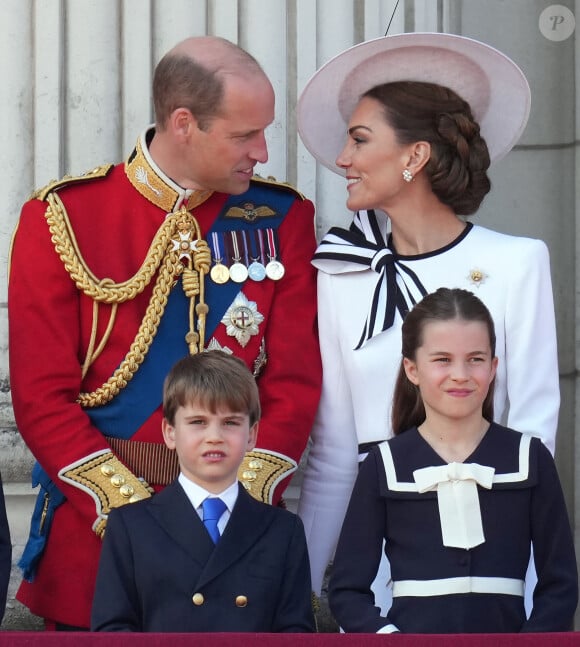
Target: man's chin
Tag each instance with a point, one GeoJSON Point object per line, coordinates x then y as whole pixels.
{"type": "Point", "coordinates": [238, 187]}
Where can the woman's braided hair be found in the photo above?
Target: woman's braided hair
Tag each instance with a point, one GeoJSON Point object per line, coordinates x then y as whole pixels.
{"type": "Point", "coordinates": [457, 168]}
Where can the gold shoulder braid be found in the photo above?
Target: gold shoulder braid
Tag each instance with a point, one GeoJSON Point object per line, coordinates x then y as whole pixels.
{"type": "Point", "coordinates": [178, 237]}
{"type": "Point", "coordinates": [53, 185]}
{"type": "Point", "coordinates": [283, 185]}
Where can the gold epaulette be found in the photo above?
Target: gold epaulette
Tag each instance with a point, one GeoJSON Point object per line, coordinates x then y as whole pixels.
{"type": "Point", "coordinates": [54, 185]}
{"type": "Point", "coordinates": [274, 182]}
{"type": "Point", "coordinates": [262, 470]}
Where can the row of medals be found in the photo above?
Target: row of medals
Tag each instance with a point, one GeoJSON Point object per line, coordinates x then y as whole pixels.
{"type": "Point", "coordinates": [238, 272]}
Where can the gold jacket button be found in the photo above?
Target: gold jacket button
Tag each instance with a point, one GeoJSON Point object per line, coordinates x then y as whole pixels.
{"type": "Point", "coordinates": [117, 480]}
{"type": "Point", "coordinates": [241, 601]}
{"type": "Point", "coordinates": [198, 599]}
{"type": "Point", "coordinates": [107, 469]}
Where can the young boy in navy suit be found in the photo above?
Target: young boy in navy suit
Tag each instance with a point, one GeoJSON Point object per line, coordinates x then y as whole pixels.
{"type": "Point", "coordinates": [165, 566]}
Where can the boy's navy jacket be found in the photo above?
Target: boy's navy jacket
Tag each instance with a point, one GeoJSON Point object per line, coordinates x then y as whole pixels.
{"type": "Point", "coordinates": [160, 571]}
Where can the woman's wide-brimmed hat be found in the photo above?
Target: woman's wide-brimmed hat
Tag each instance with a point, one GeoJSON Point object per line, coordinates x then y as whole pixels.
{"type": "Point", "coordinates": [492, 84]}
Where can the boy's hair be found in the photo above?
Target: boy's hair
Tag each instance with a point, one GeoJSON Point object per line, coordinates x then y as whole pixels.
{"type": "Point", "coordinates": [213, 379]}
{"type": "Point", "coordinates": [444, 304]}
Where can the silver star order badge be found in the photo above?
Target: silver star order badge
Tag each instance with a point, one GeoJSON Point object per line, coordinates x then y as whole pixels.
{"type": "Point", "coordinates": [242, 319]}
{"type": "Point", "coordinates": [476, 277]}
{"type": "Point", "coordinates": [184, 245]}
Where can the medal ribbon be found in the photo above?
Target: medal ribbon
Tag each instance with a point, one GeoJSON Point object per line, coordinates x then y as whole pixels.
{"type": "Point", "coordinates": [272, 243]}
{"type": "Point", "coordinates": [261, 241]}
{"type": "Point", "coordinates": [217, 252]}
{"type": "Point", "coordinates": [244, 235]}
{"type": "Point", "coordinates": [235, 247]}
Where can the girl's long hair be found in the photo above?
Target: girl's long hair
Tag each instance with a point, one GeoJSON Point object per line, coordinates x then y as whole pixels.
{"type": "Point", "coordinates": [444, 304]}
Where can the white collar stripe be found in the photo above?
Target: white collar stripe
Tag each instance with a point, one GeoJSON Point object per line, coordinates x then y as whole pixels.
{"type": "Point", "coordinates": [512, 477]}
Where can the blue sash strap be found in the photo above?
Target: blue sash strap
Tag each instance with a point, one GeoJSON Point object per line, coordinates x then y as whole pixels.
{"type": "Point", "coordinates": [48, 500]}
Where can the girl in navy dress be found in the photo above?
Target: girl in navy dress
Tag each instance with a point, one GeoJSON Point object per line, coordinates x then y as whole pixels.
{"type": "Point", "coordinates": [458, 499]}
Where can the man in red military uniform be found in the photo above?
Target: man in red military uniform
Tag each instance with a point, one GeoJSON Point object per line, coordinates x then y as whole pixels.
{"type": "Point", "coordinates": [118, 273]}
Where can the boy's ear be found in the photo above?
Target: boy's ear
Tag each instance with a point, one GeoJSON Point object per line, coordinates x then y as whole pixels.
{"type": "Point", "coordinates": [168, 433]}
{"type": "Point", "coordinates": [253, 437]}
{"type": "Point", "coordinates": [411, 370]}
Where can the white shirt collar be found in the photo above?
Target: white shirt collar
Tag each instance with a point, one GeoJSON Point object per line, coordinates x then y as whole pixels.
{"type": "Point", "coordinates": [196, 494]}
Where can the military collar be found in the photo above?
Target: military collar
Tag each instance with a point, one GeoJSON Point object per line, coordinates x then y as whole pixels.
{"type": "Point", "coordinates": [153, 184]}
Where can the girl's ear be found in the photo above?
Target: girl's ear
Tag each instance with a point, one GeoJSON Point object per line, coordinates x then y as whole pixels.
{"type": "Point", "coordinates": [411, 370]}
{"type": "Point", "coordinates": [494, 363]}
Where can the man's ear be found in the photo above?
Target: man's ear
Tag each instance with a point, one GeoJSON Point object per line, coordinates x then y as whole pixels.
{"type": "Point", "coordinates": [168, 433]}
{"type": "Point", "coordinates": [181, 122]}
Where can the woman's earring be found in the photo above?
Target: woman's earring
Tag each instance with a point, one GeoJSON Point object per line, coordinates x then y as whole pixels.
{"type": "Point", "coordinates": [407, 175]}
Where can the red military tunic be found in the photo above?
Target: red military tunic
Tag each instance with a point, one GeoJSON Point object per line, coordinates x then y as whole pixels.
{"type": "Point", "coordinates": [114, 218]}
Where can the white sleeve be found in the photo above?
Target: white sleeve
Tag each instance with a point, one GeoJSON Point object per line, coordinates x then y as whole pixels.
{"type": "Point", "coordinates": [531, 346]}
{"type": "Point", "coordinates": [331, 466]}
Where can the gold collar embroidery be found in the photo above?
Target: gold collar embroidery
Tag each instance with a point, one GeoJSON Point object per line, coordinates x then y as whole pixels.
{"type": "Point", "coordinates": [150, 181]}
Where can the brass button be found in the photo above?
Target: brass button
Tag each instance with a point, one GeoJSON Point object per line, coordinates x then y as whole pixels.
{"type": "Point", "coordinates": [107, 469]}
{"type": "Point", "coordinates": [249, 475]}
{"type": "Point", "coordinates": [255, 464]}
{"type": "Point", "coordinates": [117, 480]}
{"type": "Point", "coordinates": [198, 599]}
{"type": "Point", "coordinates": [241, 601]}
{"type": "Point", "coordinates": [127, 491]}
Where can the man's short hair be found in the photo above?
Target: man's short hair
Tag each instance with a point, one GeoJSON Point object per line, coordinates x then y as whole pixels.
{"type": "Point", "coordinates": [180, 81]}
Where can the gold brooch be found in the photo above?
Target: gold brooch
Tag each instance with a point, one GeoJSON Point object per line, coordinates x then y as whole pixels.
{"type": "Point", "coordinates": [477, 277]}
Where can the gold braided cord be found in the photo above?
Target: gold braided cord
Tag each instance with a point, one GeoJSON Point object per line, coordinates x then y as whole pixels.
{"type": "Point", "coordinates": [92, 354]}
{"type": "Point", "coordinates": [104, 290]}
{"type": "Point", "coordinates": [163, 256]}
{"type": "Point", "coordinates": [143, 340]}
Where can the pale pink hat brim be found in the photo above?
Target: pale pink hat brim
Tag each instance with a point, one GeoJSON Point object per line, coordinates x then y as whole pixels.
{"type": "Point", "coordinates": [492, 84]}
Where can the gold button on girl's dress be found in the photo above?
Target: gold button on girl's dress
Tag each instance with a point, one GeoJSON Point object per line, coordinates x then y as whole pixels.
{"type": "Point", "coordinates": [198, 599]}
{"type": "Point", "coordinates": [241, 601]}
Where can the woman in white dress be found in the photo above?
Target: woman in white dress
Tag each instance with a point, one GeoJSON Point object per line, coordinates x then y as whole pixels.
{"type": "Point", "coordinates": [423, 116]}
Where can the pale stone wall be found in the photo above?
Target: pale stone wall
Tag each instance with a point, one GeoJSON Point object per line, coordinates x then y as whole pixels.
{"type": "Point", "coordinates": [75, 93]}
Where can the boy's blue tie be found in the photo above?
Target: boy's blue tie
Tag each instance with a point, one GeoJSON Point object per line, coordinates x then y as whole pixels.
{"type": "Point", "coordinates": [213, 508]}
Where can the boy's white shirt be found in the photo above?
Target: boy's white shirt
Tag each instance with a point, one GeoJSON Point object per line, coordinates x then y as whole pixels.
{"type": "Point", "coordinates": [196, 494]}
